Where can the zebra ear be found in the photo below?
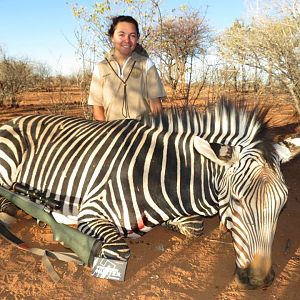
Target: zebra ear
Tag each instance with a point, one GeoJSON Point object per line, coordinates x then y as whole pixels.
{"type": "Point", "coordinates": [220, 154]}
{"type": "Point", "coordinates": [288, 149]}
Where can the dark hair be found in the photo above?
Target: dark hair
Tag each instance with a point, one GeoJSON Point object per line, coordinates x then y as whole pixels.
{"type": "Point", "coordinates": [128, 19]}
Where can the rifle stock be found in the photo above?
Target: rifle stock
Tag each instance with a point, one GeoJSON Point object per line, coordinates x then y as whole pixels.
{"type": "Point", "coordinates": [83, 245]}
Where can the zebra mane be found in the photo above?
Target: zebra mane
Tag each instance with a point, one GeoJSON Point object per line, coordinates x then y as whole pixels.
{"type": "Point", "coordinates": [226, 122]}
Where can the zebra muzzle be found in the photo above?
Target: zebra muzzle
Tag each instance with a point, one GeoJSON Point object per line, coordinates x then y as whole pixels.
{"type": "Point", "coordinates": [251, 278]}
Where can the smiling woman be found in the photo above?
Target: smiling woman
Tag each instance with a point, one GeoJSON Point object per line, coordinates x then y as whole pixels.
{"type": "Point", "coordinates": [124, 36]}
{"type": "Point", "coordinates": [126, 84]}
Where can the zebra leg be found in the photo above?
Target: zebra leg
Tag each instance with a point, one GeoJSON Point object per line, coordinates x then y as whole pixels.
{"type": "Point", "coordinates": [190, 226]}
{"type": "Point", "coordinates": [8, 207]}
{"type": "Point", "coordinates": [112, 244]}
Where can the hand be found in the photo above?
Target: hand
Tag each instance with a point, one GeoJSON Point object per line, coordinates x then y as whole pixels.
{"type": "Point", "coordinates": [155, 106]}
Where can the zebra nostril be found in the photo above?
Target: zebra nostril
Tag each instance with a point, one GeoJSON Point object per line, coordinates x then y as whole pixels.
{"type": "Point", "coordinates": [242, 276]}
{"type": "Point", "coordinates": [247, 278]}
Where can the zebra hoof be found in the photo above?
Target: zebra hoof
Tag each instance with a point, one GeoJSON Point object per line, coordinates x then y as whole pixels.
{"type": "Point", "coordinates": [118, 250]}
{"type": "Point", "coordinates": [190, 226]}
{"type": "Point", "coordinates": [8, 207]}
{"type": "Point", "coordinates": [191, 232]}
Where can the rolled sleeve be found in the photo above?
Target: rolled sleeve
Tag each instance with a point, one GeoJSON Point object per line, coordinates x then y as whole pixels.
{"type": "Point", "coordinates": [155, 88]}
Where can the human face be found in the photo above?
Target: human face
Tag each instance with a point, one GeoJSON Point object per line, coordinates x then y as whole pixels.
{"type": "Point", "coordinates": [124, 39]}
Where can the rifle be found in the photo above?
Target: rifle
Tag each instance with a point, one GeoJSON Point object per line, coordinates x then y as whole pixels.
{"type": "Point", "coordinates": [83, 245]}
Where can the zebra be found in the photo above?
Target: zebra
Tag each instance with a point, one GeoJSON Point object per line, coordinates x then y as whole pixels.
{"type": "Point", "coordinates": [121, 178]}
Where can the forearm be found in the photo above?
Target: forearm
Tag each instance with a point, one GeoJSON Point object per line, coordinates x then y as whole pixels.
{"type": "Point", "coordinates": [98, 113]}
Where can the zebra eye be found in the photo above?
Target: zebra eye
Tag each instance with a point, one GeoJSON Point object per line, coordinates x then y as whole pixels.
{"type": "Point", "coordinates": [235, 200]}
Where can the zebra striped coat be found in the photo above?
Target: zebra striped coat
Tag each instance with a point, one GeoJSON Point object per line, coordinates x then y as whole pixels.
{"type": "Point", "coordinates": [121, 178]}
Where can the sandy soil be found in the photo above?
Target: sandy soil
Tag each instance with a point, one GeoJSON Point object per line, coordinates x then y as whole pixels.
{"type": "Point", "coordinates": [163, 264]}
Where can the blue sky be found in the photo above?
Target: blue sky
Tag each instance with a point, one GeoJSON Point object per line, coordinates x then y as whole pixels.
{"type": "Point", "coordinates": [43, 30]}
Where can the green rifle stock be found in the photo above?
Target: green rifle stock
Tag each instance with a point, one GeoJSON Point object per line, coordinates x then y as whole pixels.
{"type": "Point", "coordinates": [83, 245]}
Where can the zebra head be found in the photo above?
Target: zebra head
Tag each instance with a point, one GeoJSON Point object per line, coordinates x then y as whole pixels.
{"type": "Point", "coordinates": [252, 194]}
{"type": "Point", "coordinates": [251, 190]}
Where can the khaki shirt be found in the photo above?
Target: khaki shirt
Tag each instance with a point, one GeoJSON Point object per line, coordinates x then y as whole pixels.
{"type": "Point", "coordinates": [142, 82]}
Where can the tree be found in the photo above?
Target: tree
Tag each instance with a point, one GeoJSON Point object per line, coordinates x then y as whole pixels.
{"type": "Point", "coordinates": [15, 78]}
{"type": "Point", "coordinates": [41, 77]}
{"type": "Point", "coordinates": [270, 43]}
{"type": "Point", "coordinates": [181, 43]}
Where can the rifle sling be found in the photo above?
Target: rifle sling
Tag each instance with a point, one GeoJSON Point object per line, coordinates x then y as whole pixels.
{"type": "Point", "coordinates": [63, 256]}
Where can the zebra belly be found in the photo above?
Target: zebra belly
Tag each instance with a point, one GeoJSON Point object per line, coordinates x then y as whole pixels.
{"type": "Point", "coordinates": [126, 232]}
{"type": "Point", "coordinates": [136, 230]}
{"type": "Point", "coordinates": [68, 219]}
